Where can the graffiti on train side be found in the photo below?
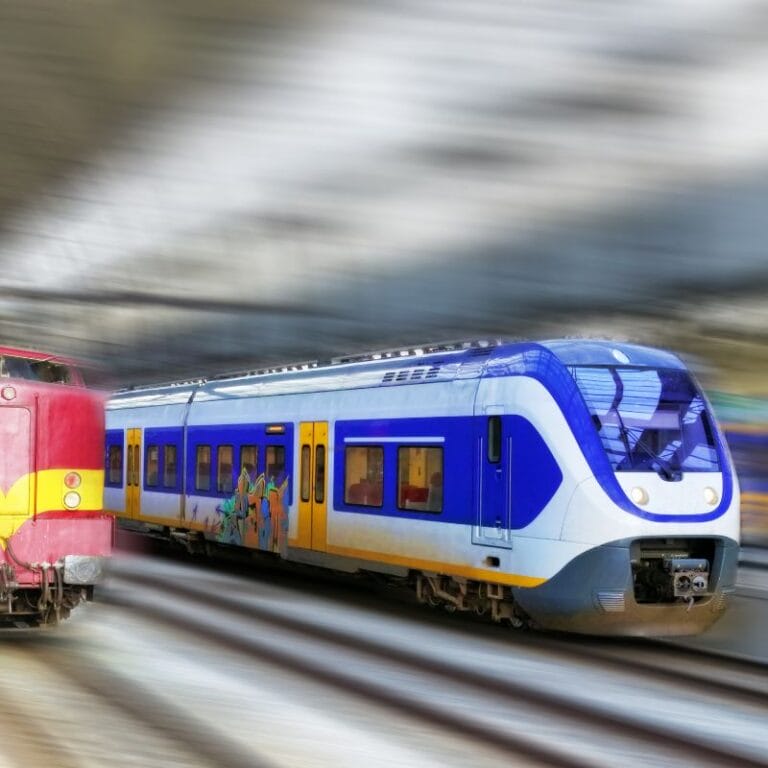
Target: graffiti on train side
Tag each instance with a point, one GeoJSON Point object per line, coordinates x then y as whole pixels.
{"type": "Point", "coordinates": [255, 515]}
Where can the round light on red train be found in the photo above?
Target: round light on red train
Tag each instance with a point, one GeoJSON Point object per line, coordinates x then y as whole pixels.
{"type": "Point", "coordinates": [72, 480]}
{"type": "Point", "coordinates": [8, 393]}
{"type": "Point", "coordinates": [639, 496]}
{"type": "Point", "coordinates": [72, 500]}
{"type": "Point", "coordinates": [710, 496]}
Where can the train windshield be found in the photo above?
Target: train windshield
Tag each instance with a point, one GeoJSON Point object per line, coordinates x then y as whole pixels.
{"type": "Point", "coordinates": [649, 419]}
{"type": "Point", "coordinates": [52, 372]}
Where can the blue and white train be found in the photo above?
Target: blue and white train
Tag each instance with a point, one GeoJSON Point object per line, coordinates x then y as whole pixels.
{"type": "Point", "coordinates": [572, 485]}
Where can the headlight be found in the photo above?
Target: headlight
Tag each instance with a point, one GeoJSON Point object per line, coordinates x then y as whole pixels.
{"type": "Point", "coordinates": [639, 495]}
{"type": "Point", "coordinates": [710, 496]}
{"type": "Point", "coordinates": [72, 500]}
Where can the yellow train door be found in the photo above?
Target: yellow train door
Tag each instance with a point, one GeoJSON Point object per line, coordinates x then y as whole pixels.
{"type": "Point", "coordinates": [133, 474]}
{"type": "Point", "coordinates": [313, 509]}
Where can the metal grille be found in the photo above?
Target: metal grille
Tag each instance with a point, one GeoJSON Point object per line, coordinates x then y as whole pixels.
{"type": "Point", "coordinates": [611, 602]}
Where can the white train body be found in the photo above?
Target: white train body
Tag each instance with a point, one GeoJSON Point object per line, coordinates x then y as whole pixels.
{"type": "Point", "coordinates": [574, 485]}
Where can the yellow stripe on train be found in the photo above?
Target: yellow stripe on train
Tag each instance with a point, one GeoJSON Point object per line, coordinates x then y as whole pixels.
{"type": "Point", "coordinates": [49, 488]}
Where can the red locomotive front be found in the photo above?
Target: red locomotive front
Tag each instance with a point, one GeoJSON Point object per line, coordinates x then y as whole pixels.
{"type": "Point", "coordinates": [54, 534]}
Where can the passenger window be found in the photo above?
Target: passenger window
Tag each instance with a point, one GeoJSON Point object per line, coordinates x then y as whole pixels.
{"type": "Point", "coordinates": [305, 471]}
{"type": "Point", "coordinates": [249, 455]}
{"type": "Point", "coordinates": [135, 469]}
{"type": "Point", "coordinates": [224, 480]}
{"type": "Point", "coordinates": [169, 466]}
{"type": "Point", "coordinates": [364, 476]}
{"type": "Point", "coordinates": [320, 474]}
{"type": "Point", "coordinates": [151, 468]}
{"type": "Point", "coordinates": [115, 465]}
{"type": "Point", "coordinates": [275, 463]}
{"type": "Point", "coordinates": [203, 468]}
{"type": "Point", "coordinates": [129, 473]}
{"type": "Point", "coordinates": [494, 439]}
{"type": "Point", "coordinates": [420, 478]}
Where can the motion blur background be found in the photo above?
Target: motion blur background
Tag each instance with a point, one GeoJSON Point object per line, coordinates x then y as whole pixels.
{"type": "Point", "coordinates": [201, 186]}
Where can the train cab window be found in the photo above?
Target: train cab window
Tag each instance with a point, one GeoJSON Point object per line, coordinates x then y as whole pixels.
{"type": "Point", "coordinates": [15, 368]}
{"type": "Point", "coordinates": [151, 477]}
{"type": "Point", "coordinates": [169, 466]}
{"type": "Point", "coordinates": [224, 480]}
{"type": "Point", "coordinates": [249, 455]}
{"type": "Point", "coordinates": [494, 439]}
{"type": "Point", "coordinates": [50, 372]}
{"type": "Point", "coordinates": [320, 474]}
{"type": "Point", "coordinates": [203, 468]}
{"type": "Point", "coordinates": [364, 475]}
{"type": "Point", "coordinates": [115, 465]}
{"type": "Point", "coordinates": [420, 478]}
{"type": "Point", "coordinates": [275, 463]}
{"type": "Point", "coordinates": [306, 469]}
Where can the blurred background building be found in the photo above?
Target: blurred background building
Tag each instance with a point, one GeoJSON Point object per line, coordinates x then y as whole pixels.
{"type": "Point", "coordinates": [196, 187]}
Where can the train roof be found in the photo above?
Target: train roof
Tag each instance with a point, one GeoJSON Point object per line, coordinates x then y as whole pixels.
{"type": "Point", "coordinates": [462, 360]}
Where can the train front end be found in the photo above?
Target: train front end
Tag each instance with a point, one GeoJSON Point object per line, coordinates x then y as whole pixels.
{"type": "Point", "coordinates": [654, 512]}
{"type": "Point", "coordinates": [54, 534]}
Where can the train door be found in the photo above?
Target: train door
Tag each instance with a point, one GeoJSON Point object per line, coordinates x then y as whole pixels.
{"type": "Point", "coordinates": [133, 474]}
{"type": "Point", "coordinates": [313, 457]}
{"type": "Point", "coordinates": [493, 459]}
{"type": "Point", "coordinates": [17, 464]}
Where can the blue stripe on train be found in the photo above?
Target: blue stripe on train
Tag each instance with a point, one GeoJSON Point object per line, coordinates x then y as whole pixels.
{"type": "Point", "coordinates": [535, 478]}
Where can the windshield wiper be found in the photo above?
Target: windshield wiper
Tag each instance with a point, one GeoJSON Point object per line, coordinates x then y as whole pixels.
{"type": "Point", "coordinates": [663, 467]}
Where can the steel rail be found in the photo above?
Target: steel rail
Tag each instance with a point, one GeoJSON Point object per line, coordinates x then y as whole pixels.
{"type": "Point", "coordinates": [152, 712]}
{"type": "Point", "coordinates": [516, 692]}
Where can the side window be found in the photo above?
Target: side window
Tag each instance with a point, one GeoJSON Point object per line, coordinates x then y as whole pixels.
{"type": "Point", "coordinates": [249, 455]}
{"type": "Point", "coordinates": [275, 463]}
{"type": "Point", "coordinates": [115, 465]}
{"type": "Point", "coordinates": [320, 474]}
{"type": "Point", "coordinates": [203, 468]}
{"type": "Point", "coordinates": [494, 439]}
{"type": "Point", "coordinates": [224, 481]}
{"type": "Point", "coordinates": [169, 467]}
{"type": "Point", "coordinates": [151, 468]}
{"type": "Point", "coordinates": [135, 472]}
{"type": "Point", "coordinates": [364, 475]}
{"type": "Point", "coordinates": [306, 468]}
{"type": "Point", "coordinates": [420, 478]}
{"type": "Point", "coordinates": [131, 462]}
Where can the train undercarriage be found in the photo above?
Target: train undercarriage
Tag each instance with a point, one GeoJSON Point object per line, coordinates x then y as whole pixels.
{"type": "Point", "coordinates": [456, 594]}
{"type": "Point", "coordinates": [40, 594]}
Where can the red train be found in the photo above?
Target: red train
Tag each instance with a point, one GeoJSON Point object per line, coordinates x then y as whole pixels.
{"type": "Point", "coordinates": [54, 534]}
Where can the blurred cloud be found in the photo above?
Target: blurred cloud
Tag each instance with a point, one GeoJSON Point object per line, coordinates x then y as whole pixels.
{"type": "Point", "coordinates": [256, 181]}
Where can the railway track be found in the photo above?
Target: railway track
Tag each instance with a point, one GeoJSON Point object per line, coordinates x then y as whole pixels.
{"type": "Point", "coordinates": [552, 701]}
{"type": "Point", "coordinates": [206, 666]}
